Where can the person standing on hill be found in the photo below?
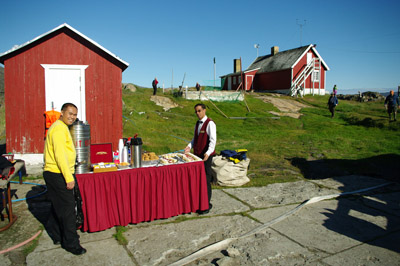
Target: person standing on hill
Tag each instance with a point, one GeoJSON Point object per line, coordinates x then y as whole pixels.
{"type": "Point", "coordinates": [154, 83]}
{"type": "Point", "coordinates": [59, 175]}
{"type": "Point", "coordinates": [332, 102]}
{"type": "Point", "coordinates": [197, 86]}
{"type": "Point", "coordinates": [203, 144]}
{"type": "Point", "coordinates": [334, 90]}
{"type": "Point", "coordinates": [391, 105]}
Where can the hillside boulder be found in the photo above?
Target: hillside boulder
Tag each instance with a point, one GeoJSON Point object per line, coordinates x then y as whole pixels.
{"type": "Point", "coordinates": [129, 86]}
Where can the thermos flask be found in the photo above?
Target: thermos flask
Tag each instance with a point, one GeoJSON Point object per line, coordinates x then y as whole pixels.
{"type": "Point", "coordinates": [136, 152]}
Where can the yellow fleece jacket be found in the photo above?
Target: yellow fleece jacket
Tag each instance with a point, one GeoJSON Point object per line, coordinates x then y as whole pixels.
{"type": "Point", "coordinates": [59, 151]}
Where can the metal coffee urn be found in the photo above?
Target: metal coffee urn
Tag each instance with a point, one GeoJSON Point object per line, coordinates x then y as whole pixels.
{"type": "Point", "coordinates": [80, 133]}
{"type": "Point", "coordinates": [136, 152]}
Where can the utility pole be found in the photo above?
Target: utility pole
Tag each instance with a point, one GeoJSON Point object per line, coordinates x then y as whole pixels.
{"type": "Point", "coordinates": [301, 29]}
{"type": "Point", "coordinates": [214, 71]}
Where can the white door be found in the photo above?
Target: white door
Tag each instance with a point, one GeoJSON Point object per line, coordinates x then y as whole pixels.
{"type": "Point", "coordinates": [65, 84]}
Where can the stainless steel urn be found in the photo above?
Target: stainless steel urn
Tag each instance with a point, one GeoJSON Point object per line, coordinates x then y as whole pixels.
{"type": "Point", "coordinates": [80, 133]}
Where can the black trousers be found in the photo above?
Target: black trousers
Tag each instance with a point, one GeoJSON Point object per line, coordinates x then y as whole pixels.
{"type": "Point", "coordinates": [332, 110]}
{"type": "Point", "coordinates": [392, 109]}
{"type": "Point", "coordinates": [207, 166]}
{"type": "Point", "coordinates": [61, 224]}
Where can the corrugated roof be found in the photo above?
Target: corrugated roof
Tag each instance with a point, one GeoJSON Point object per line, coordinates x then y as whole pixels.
{"type": "Point", "coordinates": [282, 60]}
{"type": "Point", "coordinates": [8, 53]}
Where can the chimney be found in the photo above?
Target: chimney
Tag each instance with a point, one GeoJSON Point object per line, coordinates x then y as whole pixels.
{"type": "Point", "coordinates": [237, 65]}
{"type": "Point", "coordinates": [274, 50]}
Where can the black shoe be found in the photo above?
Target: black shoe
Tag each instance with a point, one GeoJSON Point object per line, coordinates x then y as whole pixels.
{"type": "Point", "coordinates": [76, 251]}
{"type": "Point", "coordinates": [205, 211]}
{"type": "Point", "coordinates": [56, 242]}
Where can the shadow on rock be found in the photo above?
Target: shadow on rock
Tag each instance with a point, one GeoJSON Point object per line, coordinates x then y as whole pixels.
{"type": "Point", "coordinates": [371, 217]}
{"type": "Point", "coordinates": [39, 206]}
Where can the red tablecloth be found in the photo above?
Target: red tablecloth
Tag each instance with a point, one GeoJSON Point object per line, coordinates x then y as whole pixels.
{"type": "Point", "coordinates": [142, 194]}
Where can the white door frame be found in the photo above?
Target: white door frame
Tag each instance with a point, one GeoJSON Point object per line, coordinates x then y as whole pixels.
{"type": "Point", "coordinates": [82, 97]}
{"type": "Point", "coordinates": [252, 78]}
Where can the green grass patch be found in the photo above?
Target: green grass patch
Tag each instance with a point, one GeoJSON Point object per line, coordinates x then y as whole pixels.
{"type": "Point", "coordinates": [119, 235]}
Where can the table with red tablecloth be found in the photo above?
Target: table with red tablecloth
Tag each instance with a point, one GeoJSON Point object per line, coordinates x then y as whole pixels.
{"type": "Point", "coordinates": [142, 194]}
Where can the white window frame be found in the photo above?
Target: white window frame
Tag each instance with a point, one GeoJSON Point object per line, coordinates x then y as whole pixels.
{"type": "Point", "coordinates": [315, 75]}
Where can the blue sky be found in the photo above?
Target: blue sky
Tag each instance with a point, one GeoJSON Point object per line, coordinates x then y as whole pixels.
{"type": "Point", "coordinates": [358, 39]}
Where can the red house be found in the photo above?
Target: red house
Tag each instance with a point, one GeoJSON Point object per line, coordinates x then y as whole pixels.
{"type": "Point", "coordinates": [297, 70]}
{"type": "Point", "coordinates": [62, 65]}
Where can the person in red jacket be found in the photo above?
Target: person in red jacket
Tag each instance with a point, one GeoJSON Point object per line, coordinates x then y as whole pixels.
{"type": "Point", "coordinates": [203, 144]}
{"type": "Point", "coordinates": [154, 83]}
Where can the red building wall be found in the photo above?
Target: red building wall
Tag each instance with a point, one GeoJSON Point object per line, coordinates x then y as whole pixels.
{"type": "Point", "coordinates": [25, 91]}
{"type": "Point", "coordinates": [278, 80]}
{"type": "Point", "coordinates": [301, 65]}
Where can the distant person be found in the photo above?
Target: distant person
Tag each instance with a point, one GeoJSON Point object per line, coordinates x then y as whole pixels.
{"type": "Point", "coordinates": [391, 105]}
{"type": "Point", "coordinates": [154, 83]}
{"type": "Point", "coordinates": [203, 144]}
{"type": "Point", "coordinates": [59, 175]}
{"type": "Point", "coordinates": [332, 102]}
{"type": "Point", "coordinates": [359, 96]}
{"type": "Point", "coordinates": [198, 86]}
{"type": "Point", "coordinates": [334, 90]}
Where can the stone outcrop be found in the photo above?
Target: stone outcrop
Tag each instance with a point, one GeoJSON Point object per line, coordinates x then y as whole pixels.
{"type": "Point", "coordinates": [368, 96]}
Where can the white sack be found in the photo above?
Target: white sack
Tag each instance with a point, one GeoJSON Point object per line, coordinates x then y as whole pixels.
{"type": "Point", "coordinates": [229, 174]}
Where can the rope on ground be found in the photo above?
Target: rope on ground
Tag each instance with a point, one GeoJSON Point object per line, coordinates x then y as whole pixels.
{"type": "Point", "coordinates": [216, 107]}
{"type": "Point", "coordinates": [224, 243]}
{"type": "Point", "coordinates": [31, 197]}
{"type": "Point", "coordinates": [22, 243]}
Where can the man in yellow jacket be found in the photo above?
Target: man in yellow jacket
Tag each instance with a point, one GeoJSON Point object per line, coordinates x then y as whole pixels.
{"type": "Point", "coordinates": [59, 169]}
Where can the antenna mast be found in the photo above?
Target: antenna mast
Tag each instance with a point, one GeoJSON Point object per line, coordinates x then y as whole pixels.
{"type": "Point", "coordinates": [301, 29]}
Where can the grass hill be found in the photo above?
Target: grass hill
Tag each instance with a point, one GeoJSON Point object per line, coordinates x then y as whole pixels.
{"type": "Point", "coordinates": [359, 140]}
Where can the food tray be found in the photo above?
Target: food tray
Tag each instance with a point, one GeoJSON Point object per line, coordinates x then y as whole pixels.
{"type": "Point", "coordinates": [102, 170]}
{"type": "Point", "coordinates": [150, 163]}
{"type": "Point", "coordinates": [123, 166]}
{"type": "Point", "coordinates": [177, 158]}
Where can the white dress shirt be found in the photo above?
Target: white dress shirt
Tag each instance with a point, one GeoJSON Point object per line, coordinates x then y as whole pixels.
{"type": "Point", "coordinates": [211, 132]}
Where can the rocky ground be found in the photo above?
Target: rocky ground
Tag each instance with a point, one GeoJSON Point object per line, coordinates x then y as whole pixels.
{"type": "Point", "coordinates": [286, 107]}
{"type": "Point", "coordinates": [247, 226]}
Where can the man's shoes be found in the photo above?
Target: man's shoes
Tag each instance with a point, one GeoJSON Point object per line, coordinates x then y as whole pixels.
{"type": "Point", "coordinates": [76, 251]}
{"type": "Point", "coordinates": [205, 211]}
{"type": "Point", "coordinates": [56, 242]}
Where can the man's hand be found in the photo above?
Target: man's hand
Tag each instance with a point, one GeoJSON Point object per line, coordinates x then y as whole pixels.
{"type": "Point", "coordinates": [205, 157]}
{"type": "Point", "coordinates": [70, 185]}
{"type": "Point", "coordinates": [187, 149]}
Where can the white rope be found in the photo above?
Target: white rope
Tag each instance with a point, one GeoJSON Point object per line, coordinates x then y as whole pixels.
{"type": "Point", "coordinates": [224, 243]}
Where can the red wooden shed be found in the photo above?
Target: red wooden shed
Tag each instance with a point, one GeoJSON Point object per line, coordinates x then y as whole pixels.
{"type": "Point", "coordinates": [301, 69]}
{"type": "Point", "coordinates": [62, 65]}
